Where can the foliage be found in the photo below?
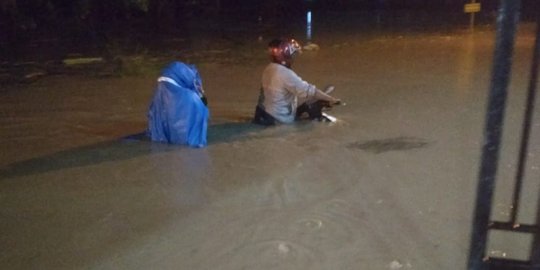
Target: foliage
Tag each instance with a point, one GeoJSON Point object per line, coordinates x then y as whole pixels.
{"type": "Point", "coordinates": [93, 25]}
{"type": "Point", "coordinates": [140, 4]}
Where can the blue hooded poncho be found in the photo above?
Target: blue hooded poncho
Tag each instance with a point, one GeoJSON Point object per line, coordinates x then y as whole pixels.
{"type": "Point", "coordinates": [177, 113]}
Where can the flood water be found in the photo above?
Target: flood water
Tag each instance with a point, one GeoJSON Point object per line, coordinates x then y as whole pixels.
{"type": "Point", "coordinates": [391, 185]}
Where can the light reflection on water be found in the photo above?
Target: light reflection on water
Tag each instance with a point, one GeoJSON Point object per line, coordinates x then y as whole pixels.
{"type": "Point", "coordinates": [308, 26]}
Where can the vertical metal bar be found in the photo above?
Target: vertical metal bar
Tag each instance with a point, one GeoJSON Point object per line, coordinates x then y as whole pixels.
{"type": "Point", "coordinates": [507, 21]}
{"type": "Point", "coordinates": [535, 250]}
{"type": "Point", "coordinates": [531, 95]}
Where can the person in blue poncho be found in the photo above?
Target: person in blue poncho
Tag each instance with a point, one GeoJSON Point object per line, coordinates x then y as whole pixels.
{"type": "Point", "coordinates": [178, 113]}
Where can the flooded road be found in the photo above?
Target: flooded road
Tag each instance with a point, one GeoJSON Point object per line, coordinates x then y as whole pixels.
{"type": "Point", "coordinates": [391, 185]}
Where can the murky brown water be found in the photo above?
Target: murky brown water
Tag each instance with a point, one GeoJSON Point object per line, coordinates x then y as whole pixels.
{"type": "Point", "coordinates": [75, 195]}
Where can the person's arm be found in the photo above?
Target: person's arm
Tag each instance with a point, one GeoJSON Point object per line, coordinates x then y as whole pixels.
{"type": "Point", "coordinates": [320, 95]}
{"type": "Point", "coordinates": [302, 87]}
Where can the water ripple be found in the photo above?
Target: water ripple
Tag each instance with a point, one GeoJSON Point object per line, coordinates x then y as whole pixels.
{"type": "Point", "coordinates": [330, 225]}
{"type": "Point", "coordinates": [275, 254]}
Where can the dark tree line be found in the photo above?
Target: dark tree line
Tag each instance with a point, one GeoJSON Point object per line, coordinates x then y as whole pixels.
{"type": "Point", "coordinates": [96, 22]}
{"type": "Point", "coordinates": [88, 21]}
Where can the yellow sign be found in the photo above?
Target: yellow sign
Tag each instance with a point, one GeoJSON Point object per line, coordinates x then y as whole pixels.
{"type": "Point", "coordinates": [472, 8]}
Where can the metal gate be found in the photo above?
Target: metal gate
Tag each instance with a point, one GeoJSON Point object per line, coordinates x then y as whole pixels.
{"type": "Point", "coordinates": [507, 21]}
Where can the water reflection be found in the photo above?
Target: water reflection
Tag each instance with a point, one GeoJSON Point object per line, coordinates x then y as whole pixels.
{"type": "Point", "coordinates": [182, 176]}
{"type": "Point", "coordinates": [466, 61]}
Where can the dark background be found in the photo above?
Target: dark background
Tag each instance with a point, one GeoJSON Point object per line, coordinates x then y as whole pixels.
{"type": "Point", "coordinates": [58, 27]}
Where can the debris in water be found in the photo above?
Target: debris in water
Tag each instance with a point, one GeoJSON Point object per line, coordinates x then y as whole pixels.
{"type": "Point", "coordinates": [497, 254]}
{"type": "Point", "coordinates": [396, 265]}
{"type": "Point", "coordinates": [283, 248]}
{"type": "Point", "coordinates": [311, 47]}
{"type": "Point", "coordinates": [82, 61]}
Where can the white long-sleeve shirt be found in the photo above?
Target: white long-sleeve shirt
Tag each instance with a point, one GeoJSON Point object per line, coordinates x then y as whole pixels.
{"type": "Point", "coordinates": [281, 90]}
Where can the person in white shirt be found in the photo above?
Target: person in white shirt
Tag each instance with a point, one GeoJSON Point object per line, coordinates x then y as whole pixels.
{"type": "Point", "coordinates": [284, 96]}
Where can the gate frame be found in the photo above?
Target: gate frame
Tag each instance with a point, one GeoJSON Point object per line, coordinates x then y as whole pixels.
{"type": "Point", "coordinates": [507, 21]}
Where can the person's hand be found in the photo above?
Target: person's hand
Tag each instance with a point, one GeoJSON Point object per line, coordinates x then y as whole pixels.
{"type": "Point", "coordinates": [336, 101]}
